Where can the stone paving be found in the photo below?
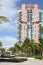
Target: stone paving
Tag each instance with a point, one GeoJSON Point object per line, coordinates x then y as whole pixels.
{"type": "Point", "coordinates": [28, 62]}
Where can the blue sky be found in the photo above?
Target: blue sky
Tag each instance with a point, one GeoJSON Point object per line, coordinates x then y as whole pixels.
{"type": "Point", "coordinates": [8, 31]}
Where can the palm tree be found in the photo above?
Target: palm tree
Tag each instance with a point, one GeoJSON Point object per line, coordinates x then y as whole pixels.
{"type": "Point", "coordinates": [3, 18]}
{"type": "Point", "coordinates": [2, 50]}
{"type": "Point", "coordinates": [26, 47]}
{"type": "Point", "coordinates": [30, 47]}
{"type": "Point", "coordinates": [41, 30]}
{"type": "Point", "coordinates": [18, 47]}
{"type": "Point", "coordinates": [27, 40]}
{"type": "Point", "coordinates": [41, 45]}
{"type": "Point", "coordinates": [1, 44]}
{"type": "Point", "coordinates": [41, 39]}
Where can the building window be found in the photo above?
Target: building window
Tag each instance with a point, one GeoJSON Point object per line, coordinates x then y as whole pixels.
{"type": "Point", "coordinates": [40, 16]}
{"type": "Point", "coordinates": [20, 16]}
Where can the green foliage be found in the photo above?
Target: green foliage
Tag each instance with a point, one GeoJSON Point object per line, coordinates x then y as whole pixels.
{"type": "Point", "coordinates": [27, 41]}
{"type": "Point", "coordinates": [38, 57]}
{"type": "Point", "coordinates": [41, 30]}
{"type": "Point", "coordinates": [11, 48]}
{"type": "Point", "coordinates": [3, 18]}
{"type": "Point", "coordinates": [27, 48]}
{"type": "Point", "coordinates": [2, 50]}
{"type": "Point", "coordinates": [41, 40]}
{"type": "Point", "coordinates": [1, 44]}
{"type": "Point", "coordinates": [8, 52]}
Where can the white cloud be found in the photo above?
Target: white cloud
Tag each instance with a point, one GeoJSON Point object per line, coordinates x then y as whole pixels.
{"type": "Point", "coordinates": [8, 27]}
{"type": "Point", "coordinates": [8, 8]}
{"type": "Point", "coordinates": [8, 41]}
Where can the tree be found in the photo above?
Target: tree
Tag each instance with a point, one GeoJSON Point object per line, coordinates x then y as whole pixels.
{"type": "Point", "coordinates": [36, 45]}
{"type": "Point", "coordinates": [18, 47]}
{"type": "Point", "coordinates": [26, 47]}
{"type": "Point", "coordinates": [1, 44]}
{"type": "Point", "coordinates": [12, 49]}
{"type": "Point", "coordinates": [41, 39]}
{"type": "Point", "coordinates": [3, 18]}
{"type": "Point", "coordinates": [41, 29]}
{"type": "Point", "coordinates": [30, 47]}
{"type": "Point", "coordinates": [27, 40]}
{"type": "Point", "coordinates": [2, 50]}
{"type": "Point", "coordinates": [41, 45]}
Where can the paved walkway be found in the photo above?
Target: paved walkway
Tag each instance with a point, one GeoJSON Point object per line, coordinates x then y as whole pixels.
{"type": "Point", "coordinates": [29, 62]}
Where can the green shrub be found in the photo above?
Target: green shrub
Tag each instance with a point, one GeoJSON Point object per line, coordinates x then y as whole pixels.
{"type": "Point", "coordinates": [38, 57]}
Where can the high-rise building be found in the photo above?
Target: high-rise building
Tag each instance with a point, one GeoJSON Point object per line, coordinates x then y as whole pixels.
{"type": "Point", "coordinates": [29, 19]}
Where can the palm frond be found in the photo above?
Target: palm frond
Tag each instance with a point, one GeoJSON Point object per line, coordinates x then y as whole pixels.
{"type": "Point", "coordinates": [3, 18]}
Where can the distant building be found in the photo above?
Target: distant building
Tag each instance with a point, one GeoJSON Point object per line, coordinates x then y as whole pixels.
{"type": "Point", "coordinates": [29, 19]}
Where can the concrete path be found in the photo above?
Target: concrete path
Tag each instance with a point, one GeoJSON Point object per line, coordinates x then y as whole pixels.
{"type": "Point", "coordinates": [29, 62]}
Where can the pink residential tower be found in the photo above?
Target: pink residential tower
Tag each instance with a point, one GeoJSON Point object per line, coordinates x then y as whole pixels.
{"type": "Point", "coordinates": [29, 19]}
